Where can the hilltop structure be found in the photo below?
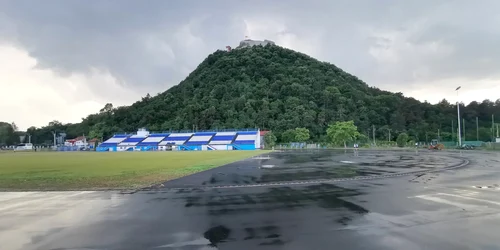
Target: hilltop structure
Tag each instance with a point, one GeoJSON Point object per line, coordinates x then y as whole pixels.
{"type": "Point", "coordinates": [249, 43]}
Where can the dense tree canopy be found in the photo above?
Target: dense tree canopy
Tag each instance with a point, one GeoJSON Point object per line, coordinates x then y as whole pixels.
{"type": "Point", "coordinates": [278, 89]}
{"type": "Point", "coordinates": [301, 134]}
{"type": "Point", "coordinates": [7, 136]}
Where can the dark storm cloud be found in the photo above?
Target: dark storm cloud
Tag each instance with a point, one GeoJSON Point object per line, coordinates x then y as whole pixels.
{"type": "Point", "coordinates": [141, 44]}
{"type": "Point", "coordinates": [151, 45]}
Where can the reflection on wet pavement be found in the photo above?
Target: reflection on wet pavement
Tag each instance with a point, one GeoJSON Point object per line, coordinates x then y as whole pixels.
{"type": "Point", "coordinates": [217, 235]}
{"type": "Point", "coordinates": [218, 202]}
{"type": "Point", "coordinates": [257, 216]}
{"type": "Point", "coordinates": [312, 165]}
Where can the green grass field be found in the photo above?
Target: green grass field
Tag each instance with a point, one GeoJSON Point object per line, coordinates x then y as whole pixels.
{"type": "Point", "coordinates": [110, 170]}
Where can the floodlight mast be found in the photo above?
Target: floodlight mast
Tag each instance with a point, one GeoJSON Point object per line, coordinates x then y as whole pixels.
{"type": "Point", "coordinates": [458, 118]}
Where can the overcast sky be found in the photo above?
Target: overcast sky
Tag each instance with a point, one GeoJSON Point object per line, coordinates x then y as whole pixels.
{"type": "Point", "coordinates": [65, 59]}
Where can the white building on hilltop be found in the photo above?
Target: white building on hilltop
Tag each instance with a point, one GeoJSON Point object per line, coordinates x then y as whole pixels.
{"type": "Point", "coordinates": [249, 43]}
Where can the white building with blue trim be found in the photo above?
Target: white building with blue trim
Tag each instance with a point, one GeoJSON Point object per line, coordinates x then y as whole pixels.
{"type": "Point", "coordinates": [143, 140]}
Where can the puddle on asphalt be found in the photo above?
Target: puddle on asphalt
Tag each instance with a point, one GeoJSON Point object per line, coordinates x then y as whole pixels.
{"type": "Point", "coordinates": [217, 235]}
{"type": "Point", "coordinates": [274, 173]}
{"type": "Point", "coordinates": [275, 198]}
{"type": "Point", "coordinates": [262, 158]}
{"type": "Point", "coordinates": [220, 204]}
{"type": "Point", "coordinates": [197, 242]}
{"type": "Point", "coordinates": [348, 162]}
{"type": "Point", "coordinates": [314, 165]}
{"type": "Point", "coordinates": [267, 166]}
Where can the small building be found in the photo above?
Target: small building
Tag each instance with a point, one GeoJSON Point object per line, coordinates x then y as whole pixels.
{"type": "Point", "coordinates": [80, 141]}
{"type": "Point", "coordinates": [249, 43]}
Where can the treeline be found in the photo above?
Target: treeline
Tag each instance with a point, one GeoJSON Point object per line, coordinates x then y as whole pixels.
{"type": "Point", "coordinates": [8, 135]}
{"type": "Point", "coordinates": [273, 88]}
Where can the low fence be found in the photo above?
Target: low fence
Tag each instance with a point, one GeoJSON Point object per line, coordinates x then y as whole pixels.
{"type": "Point", "coordinates": [300, 145]}
{"type": "Point", "coordinates": [74, 148]}
{"type": "Point", "coordinates": [492, 145]}
{"type": "Point", "coordinates": [386, 144]}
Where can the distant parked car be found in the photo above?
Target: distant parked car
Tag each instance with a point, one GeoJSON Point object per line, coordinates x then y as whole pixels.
{"type": "Point", "coordinates": [24, 147]}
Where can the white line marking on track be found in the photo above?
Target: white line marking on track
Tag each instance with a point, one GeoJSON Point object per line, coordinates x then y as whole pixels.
{"type": "Point", "coordinates": [470, 198]}
{"type": "Point", "coordinates": [441, 200]}
{"type": "Point", "coordinates": [45, 196]}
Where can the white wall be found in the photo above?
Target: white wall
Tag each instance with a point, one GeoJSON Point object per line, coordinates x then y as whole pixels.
{"type": "Point", "coordinates": [220, 147]}
{"type": "Point", "coordinates": [220, 142]}
{"type": "Point", "coordinates": [257, 140]}
{"type": "Point", "coordinates": [200, 138]}
{"type": "Point", "coordinates": [246, 137]}
{"type": "Point", "coordinates": [115, 140]}
{"type": "Point", "coordinates": [142, 133]}
{"type": "Point", "coordinates": [154, 139]}
{"type": "Point", "coordinates": [180, 134]}
{"type": "Point", "coordinates": [225, 133]}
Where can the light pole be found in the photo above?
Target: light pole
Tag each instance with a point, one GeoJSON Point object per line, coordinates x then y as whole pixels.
{"type": "Point", "coordinates": [458, 118]}
{"type": "Point", "coordinates": [54, 133]}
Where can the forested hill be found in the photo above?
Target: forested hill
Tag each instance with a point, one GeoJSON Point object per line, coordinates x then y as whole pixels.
{"type": "Point", "coordinates": [274, 88]}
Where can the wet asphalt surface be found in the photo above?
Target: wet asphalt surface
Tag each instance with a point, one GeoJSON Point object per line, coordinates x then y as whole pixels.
{"type": "Point", "coordinates": [282, 200]}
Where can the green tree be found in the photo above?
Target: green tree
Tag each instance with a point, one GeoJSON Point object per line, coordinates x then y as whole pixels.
{"type": "Point", "coordinates": [95, 134]}
{"type": "Point", "coordinates": [402, 139]}
{"type": "Point", "coordinates": [342, 132]}
{"type": "Point", "coordinates": [97, 131]}
{"type": "Point", "coordinates": [55, 123]}
{"type": "Point", "coordinates": [288, 136]}
{"type": "Point", "coordinates": [301, 134]}
{"type": "Point", "coordinates": [270, 139]}
{"type": "Point", "coordinates": [108, 108]}
{"type": "Point", "coordinates": [7, 136]}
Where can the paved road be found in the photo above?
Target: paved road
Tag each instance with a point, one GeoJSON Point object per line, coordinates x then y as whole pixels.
{"type": "Point", "coordinates": [453, 209]}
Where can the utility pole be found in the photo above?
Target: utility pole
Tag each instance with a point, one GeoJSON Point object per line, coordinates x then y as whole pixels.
{"type": "Point", "coordinates": [492, 128]}
{"type": "Point", "coordinates": [463, 122]}
{"type": "Point", "coordinates": [54, 134]}
{"type": "Point", "coordinates": [29, 138]}
{"type": "Point", "coordinates": [458, 118]}
{"type": "Point", "coordinates": [477, 129]}
{"type": "Point", "coordinates": [452, 130]}
{"type": "Point", "coordinates": [389, 134]}
{"type": "Point", "coordinates": [374, 143]}
{"type": "Point", "coordinates": [439, 138]}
